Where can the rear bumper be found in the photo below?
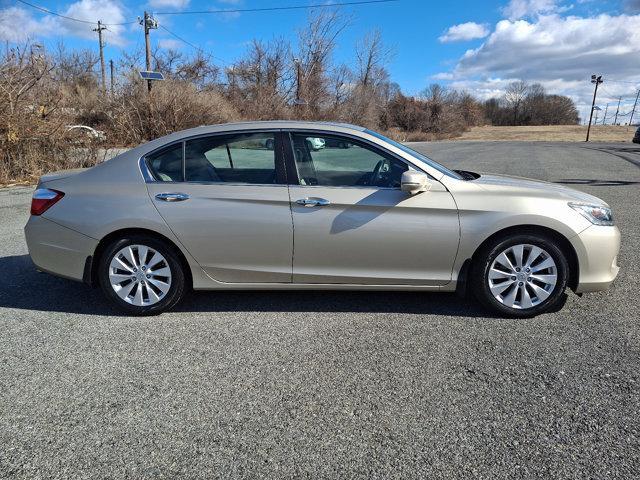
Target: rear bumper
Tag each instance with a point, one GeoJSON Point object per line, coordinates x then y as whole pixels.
{"type": "Point", "coordinates": [597, 249]}
{"type": "Point", "coordinates": [56, 249]}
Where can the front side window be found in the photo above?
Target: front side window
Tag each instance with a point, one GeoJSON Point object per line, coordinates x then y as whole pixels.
{"type": "Point", "coordinates": [240, 158]}
{"type": "Point", "coordinates": [335, 161]}
{"type": "Point", "coordinates": [166, 164]}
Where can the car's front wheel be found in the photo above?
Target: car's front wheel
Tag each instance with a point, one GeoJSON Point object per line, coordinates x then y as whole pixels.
{"type": "Point", "coordinates": [141, 275]}
{"type": "Point", "coordinates": [520, 276]}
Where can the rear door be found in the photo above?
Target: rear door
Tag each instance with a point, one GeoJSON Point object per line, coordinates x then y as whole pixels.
{"type": "Point", "coordinates": [353, 224]}
{"type": "Point", "coordinates": [226, 199]}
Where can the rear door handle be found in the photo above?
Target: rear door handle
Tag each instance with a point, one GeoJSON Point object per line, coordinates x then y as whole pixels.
{"type": "Point", "coordinates": [313, 202]}
{"type": "Point", "coordinates": [172, 197]}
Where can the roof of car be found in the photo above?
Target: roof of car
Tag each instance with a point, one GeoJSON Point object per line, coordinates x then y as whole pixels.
{"type": "Point", "coordinates": [281, 124]}
{"type": "Point", "coordinates": [256, 125]}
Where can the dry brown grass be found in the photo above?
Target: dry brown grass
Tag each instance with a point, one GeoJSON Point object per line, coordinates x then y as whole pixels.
{"type": "Point", "coordinates": [550, 133]}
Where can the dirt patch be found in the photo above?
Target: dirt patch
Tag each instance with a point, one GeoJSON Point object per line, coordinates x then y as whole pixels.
{"type": "Point", "coordinates": [551, 133]}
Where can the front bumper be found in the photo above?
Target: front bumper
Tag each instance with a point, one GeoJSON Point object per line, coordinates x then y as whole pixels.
{"type": "Point", "coordinates": [597, 248]}
{"type": "Point", "coordinates": [56, 249]}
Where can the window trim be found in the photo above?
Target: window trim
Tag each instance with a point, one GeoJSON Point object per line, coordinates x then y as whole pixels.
{"type": "Point", "coordinates": [292, 168]}
{"type": "Point", "coordinates": [279, 161]}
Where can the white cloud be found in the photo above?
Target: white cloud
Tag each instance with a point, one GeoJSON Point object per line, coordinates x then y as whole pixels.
{"type": "Point", "coordinates": [30, 28]}
{"type": "Point", "coordinates": [107, 11]}
{"type": "Point", "coordinates": [528, 8]}
{"type": "Point", "coordinates": [559, 52]}
{"type": "Point", "coordinates": [464, 31]}
{"type": "Point", "coordinates": [175, 4]}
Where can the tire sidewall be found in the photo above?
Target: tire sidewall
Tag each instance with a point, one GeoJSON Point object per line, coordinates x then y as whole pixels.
{"type": "Point", "coordinates": [488, 255]}
{"type": "Point", "coordinates": [176, 290]}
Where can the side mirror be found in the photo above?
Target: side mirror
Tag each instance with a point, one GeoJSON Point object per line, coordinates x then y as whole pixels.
{"type": "Point", "coordinates": [414, 182]}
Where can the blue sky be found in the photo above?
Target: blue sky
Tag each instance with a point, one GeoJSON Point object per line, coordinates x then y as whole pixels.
{"type": "Point", "coordinates": [474, 45]}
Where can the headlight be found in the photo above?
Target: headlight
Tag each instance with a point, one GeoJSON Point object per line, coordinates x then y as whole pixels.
{"type": "Point", "coordinates": [596, 214]}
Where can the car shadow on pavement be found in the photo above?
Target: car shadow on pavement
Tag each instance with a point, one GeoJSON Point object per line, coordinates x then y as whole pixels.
{"type": "Point", "coordinates": [23, 287]}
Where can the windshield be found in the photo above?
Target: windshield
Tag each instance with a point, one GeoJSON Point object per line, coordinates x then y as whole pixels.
{"type": "Point", "coordinates": [418, 155]}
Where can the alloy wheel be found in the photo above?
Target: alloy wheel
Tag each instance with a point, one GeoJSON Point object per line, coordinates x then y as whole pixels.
{"type": "Point", "coordinates": [140, 275]}
{"type": "Point", "coordinates": [522, 276]}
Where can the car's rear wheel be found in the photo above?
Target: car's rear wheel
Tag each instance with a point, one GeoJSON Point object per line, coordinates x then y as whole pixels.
{"type": "Point", "coordinates": [520, 276]}
{"type": "Point", "coordinates": [141, 275]}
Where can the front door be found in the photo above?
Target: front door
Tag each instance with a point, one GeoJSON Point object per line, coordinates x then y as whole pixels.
{"type": "Point", "coordinates": [226, 199]}
{"type": "Point", "coordinates": [353, 224]}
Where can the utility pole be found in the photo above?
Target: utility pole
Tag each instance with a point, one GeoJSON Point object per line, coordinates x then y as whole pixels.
{"type": "Point", "coordinates": [634, 107]}
{"type": "Point", "coordinates": [606, 109]}
{"type": "Point", "coordinates": [111, 72]}
{"type": "Point", "coordinates": [597, 80]}
{"type": "Point", "coordinates": [99, 29]}
{"type": "Point", "coordinates": [149, 23]}
{"type": "Point", "coordinates": [298, 76]}
{"type": "Point", "coordinates": [615, 121]}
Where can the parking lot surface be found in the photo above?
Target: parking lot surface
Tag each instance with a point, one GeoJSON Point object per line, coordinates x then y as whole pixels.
{"type": "Point", "coordinates": [329, 384]}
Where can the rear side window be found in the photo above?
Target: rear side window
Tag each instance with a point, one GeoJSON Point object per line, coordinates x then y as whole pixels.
{"type": "Point", "coordinates": [241, 158]}
{"type": "Point", "coordinates": [166, 165]}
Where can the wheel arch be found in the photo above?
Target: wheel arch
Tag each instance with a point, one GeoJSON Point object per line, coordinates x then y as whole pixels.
{"type": "Point", "coordinates": [91, 268]}
{"type": "Point", "coordinates": [562, 241]}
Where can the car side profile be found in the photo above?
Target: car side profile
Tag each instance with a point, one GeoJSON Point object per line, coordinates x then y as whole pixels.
{"type": "Point", "coordinates": [258, 206]}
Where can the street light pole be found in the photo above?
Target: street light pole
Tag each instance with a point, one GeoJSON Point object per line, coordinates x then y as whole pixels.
{"type": "Point", "coordinates": [597, 80]}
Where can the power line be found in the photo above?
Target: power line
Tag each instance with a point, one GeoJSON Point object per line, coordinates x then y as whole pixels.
{"type": "Point", "coordinates": [49, 12]}
{"type": "Point", "coordinates": [271, 9]}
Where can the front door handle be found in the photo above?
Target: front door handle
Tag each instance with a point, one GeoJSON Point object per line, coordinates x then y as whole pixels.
{"type": "Point", "coordinates": [172, 197]}
{"type": "Point", "coordinates": [313, 202]}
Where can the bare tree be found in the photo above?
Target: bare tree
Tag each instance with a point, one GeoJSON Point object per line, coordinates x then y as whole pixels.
{"type": "Point", "coordinates": [514, 96]}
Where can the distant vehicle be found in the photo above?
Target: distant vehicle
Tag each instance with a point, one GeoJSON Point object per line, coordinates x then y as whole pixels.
{"type": "Point", "coordinates": [335, 143]}
{"type": "Point", "coordinates": [636, 137]}
{"type": "Point", "coordinates": [212, 209]}
{"type": "Point", "coordinates": [87, 131]}
{"type": "Point", "coordinates": [316, 143]}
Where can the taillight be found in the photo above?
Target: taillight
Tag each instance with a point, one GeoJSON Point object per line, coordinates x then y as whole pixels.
{"type": "Point", "coordinates": [43, 199]}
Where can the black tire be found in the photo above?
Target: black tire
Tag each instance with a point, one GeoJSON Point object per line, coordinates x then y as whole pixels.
{"type": "Point", "coordinates": [482, 263]}
{"type": "Point", "coordinates": [173, 295]}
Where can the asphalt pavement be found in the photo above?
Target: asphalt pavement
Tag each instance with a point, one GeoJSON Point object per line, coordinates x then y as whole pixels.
{"type": "Point", "coordinates": [329, 384]}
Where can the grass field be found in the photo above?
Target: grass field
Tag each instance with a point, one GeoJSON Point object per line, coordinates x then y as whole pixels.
{"type": "Point", "coordinates": [551, 133]}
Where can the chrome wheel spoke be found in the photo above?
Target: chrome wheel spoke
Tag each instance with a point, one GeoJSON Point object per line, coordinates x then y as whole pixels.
{"type": "Point", "coordinates": [117, 263]}
{"type": "Point", "coordinates": [547, 263]}
{"type": "Point", "coordinates": [153, 296]}
{"type": "Point", "coordinates": [510, 299]}
{"type": "Point", "coordinates": [127, 253]}
{"type": "Point", "coordinates": [123, 292]}
{"type": "Point", "coordinates": [541, 293]}
{"type": "Point", "coordinates": [155, 259]}
{"type": "Point", "coordinates": [162, 286]}
{"type": "Point", "coordinates": [142, 254]}
{"type": "Point", "coordinates": [518, 253]}
{"type": "Point", "coordinates": [548, 279]}
{"type": "Point", "coordinates": [497, 289]}
{"type": "Point", "coordinates": [495, 274]}
{"type": "Point", "coordinates": [137, 299]}
{"type": "Point", "coordinates": [161, 272]}
{"type": "Point", "coordinates": [534, 253]}
{"type": "Point", "coordinates": [119, 277]}
{"type": "Point", "coordinates": [502, 259]}
{"type": "Point", "coordinates": [145, 286]}
{"type": "Point", "coordinates": [525, 297]}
